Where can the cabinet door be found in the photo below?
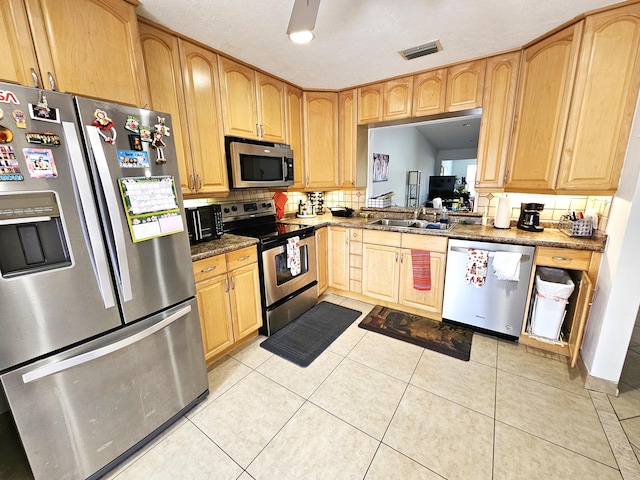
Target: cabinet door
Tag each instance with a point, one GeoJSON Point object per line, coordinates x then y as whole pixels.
{"type": "Point", "coordinates": [239, 104]}
{"type": "Point", "coordinates": [271, 115]}
{"type": "Point", "coordinates": [429, 92]}
{"type": "Point", "coordinates": [370, 104]}
{"type": "Point", "coordinates": [542, 107]}
{"type": "Point", "coordinates": [215, 315]}
{"type": "Point", "coordinates": [497, 120]}
{"type": "Point", "coordinates": [347, 138]}
{"type": "Point", "coordinates": [293, 98]}
{"type": "Point", "coordinates": [19, 62]}
{"type": "Point", "coordinates": [322, 251]}
{"type": "Point", "coordinates": [429, 300]}
{"type": "Point", "coordinates": [321, 139]}
{"type": "Point", "coordinates": [465, 84]}
{"type": "Point", "coordinates": [398, 98]}
{"type": "Point", "coordinates": [583, 305]}
{"type": "Point", "coordinates": [90, 48]}
{"type": "Point", "coordinates": [380, 270]}
{"type": "Point", "coordinates": [603, 103]}
{"type": "Point", "coordinates": [162, 58]}
{"type": "Point", "coordinates": [338, 241]}
{"type": "Point", "coordinates": [245, 300]}
{"type": "Point", "coordinates": [200, 76]}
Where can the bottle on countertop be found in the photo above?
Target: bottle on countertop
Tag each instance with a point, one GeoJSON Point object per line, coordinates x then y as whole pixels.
{"type": "Point", "coordinates": [444, 218]}
{"type": "Point", "coordinates": [300, 206]}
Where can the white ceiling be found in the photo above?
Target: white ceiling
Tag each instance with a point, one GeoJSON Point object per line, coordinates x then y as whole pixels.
{"type": "Point", "coordinates": [357, 41]}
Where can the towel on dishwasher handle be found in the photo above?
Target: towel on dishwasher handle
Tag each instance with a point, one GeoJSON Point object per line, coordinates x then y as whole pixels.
{"type": "Point", "coordinates": [476, 272]}
{"type": "Point", "coordinates": [421, 264]}
{"type": "Point", "coordinates": [506, 266]}
{"type": "Point", "coordinates": [293, 255]}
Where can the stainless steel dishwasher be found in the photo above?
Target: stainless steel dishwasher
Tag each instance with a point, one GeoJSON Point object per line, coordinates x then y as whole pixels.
{"type": "Point", "coordinates": [498, 306]}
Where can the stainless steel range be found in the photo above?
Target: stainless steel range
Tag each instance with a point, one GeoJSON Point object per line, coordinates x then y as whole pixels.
{"type": "Point", "coordinates": [287, 260]}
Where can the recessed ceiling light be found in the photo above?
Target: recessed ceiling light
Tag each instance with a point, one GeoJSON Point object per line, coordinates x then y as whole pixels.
{"type": "Point", "coordinates": [304, 36]}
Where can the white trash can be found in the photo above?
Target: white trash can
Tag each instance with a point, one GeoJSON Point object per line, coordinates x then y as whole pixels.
{"type": "Point", "coordinates": [553, 289]}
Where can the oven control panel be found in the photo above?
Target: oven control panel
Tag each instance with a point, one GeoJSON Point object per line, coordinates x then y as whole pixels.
{"type": "Point", "coordinates": [240, 210]}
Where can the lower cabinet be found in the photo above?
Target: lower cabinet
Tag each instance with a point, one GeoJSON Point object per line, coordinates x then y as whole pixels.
{"type": "Point", "coordinates": [228, 293]}
{"type": "Point", "coordinates": [338, 241]}
{"type": "Point", "coordinates": [583, 267]}
{"type": "Point", "coordinates": [387, 269]}
{"type": "Point", "coordinates": [322, 237]}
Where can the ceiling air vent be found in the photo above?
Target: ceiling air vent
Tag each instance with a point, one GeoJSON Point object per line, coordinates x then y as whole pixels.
{"type": "Point", "coordinates": [422, 50]}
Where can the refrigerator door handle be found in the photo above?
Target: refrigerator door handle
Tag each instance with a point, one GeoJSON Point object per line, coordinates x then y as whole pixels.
{"type": "Point", "coordinates": [112, 202]}
{"type": "Point", "coordinates": [92, 223]}
{"type": "Point", "coordinates": [68, 363]}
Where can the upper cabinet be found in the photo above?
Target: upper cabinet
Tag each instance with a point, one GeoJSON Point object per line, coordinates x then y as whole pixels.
{"type": "Point", "coordinates": [429, 89]}
{"type": "Point", "coordinates": [253, 104]}
{"type": "Point", "coordinates": [497, 119]}
{"type": "Point", "coordinates": [320, 117]}
{"type": "Point", "coordinates": [608, 75]}
{"type": "Point", "coordinates": [542, 108]}
{"type": "Point", "coordinates": [351, 159]}
{"type": "Point", "coordinates": [293, 102]}
{"type": "Point", "coordinates": [89, 48]}
{"type": "Point", "coordinates": [19, 63]}
{"type": "Point", "coordinates": [465, 84]}
{"type": "Point", "coordinates": [370, 103]}
{"type": "Point", "coordinates": [206, 137]}
{"type": "Point", "coordinates": [398, 98]}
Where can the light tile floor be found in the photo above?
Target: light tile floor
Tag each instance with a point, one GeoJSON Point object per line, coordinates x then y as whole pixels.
{"type": "Point", "coordinates": [371, 407]}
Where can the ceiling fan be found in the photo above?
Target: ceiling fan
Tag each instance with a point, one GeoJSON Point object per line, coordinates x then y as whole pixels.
{"type": "Point", "coordinates": [303, 20]}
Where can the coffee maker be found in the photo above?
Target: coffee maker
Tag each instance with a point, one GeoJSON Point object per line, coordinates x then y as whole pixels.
{"type": "Point", "coordinates": [530, 217]}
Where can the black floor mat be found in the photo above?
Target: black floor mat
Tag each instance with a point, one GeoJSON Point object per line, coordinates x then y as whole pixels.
{"type": "Point", "coordinates": [305, 338]}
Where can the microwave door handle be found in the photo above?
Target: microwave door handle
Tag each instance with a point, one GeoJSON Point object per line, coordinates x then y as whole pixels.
{"type": "Point", "coordinates": [285, 168]}
{"type": "Point", "coordinates": [90, 214]}
{"type": "Point", "coordinates": [112, 202]}
{"type": "Point", "coordinates": [198, 224]}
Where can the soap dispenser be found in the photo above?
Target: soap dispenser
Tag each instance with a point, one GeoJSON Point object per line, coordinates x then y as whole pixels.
{"type": "Point", "coordinates": [444, 216]}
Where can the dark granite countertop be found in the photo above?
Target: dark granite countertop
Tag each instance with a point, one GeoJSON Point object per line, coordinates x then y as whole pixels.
{"type": "Point", "coordinates": [226, 243]}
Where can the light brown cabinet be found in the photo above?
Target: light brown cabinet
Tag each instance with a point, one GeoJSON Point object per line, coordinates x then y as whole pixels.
{"type": "Point", "coordinates": [99, 37]}
{"type": "Point", "coordinates": [293, 101]}
{"type": "Point", "coordinates": [497, 119]}
{"type": "Point", "coordinates": [398, 99]}
{"type": "Point", "coordinates": [583, 267]}
{"type": "Point", "coordinates": [322, 252]}
{"type": "Point", "coordinates": [429, 92]}
{"type": "Point", "coordinates": [228, 293]}
{"type": "Point", "coordinates": [206, 137]}
{"type": "Point", "coordinates": [370, 103]}
{"type": "Point", "coordinates": [603, 103]}
{"type": "Point", "coordinates": [338, 241]}
{"type": "Point", "coordinates": [320, 120]}
{"type": "Point", "coordinates": [19, 63]}
{"type": "Point", "coordinates": [253, 104]}
{"type": "Point", "coordinates": [162, 58]}
{"type": "Point", "coordinates": [352, 142]}
{"type": "Point", "coordinates": [387, 270]}
{"type": "Point", "coordinates": [465, 84]}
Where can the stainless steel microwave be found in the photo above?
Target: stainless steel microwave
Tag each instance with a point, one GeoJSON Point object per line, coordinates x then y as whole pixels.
{"type": "Point", "coordinates": [256, 164]}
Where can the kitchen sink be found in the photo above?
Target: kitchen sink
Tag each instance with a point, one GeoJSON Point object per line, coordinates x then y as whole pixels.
{"type": "Point", "coordinates": [422, 224]}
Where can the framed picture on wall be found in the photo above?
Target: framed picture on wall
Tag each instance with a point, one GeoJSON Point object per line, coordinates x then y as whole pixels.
{"type": "Point", "coordinates": [380, 167]}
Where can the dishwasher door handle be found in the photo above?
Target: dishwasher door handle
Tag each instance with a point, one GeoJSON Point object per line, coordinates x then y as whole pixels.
{"type": "Point", "coordinates": [524, 258]}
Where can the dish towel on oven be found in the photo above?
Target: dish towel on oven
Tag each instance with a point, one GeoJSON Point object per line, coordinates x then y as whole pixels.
{"type": "Point", "coordinates": [293, 255]}
{"type": "Point", "coordinates": [421, 263]}
{"type": "Point", "coordinates": [476, 267]}
{"type": "Point", "coordinates": [506, 266]}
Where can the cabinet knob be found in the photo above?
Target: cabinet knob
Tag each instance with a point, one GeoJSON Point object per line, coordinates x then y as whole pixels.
{"type": "Point", "coordinates": [562, 259]}
{"type": "Point", "coordinates": [210, 269]}
{"type": "Point", "coordinates": [34, 75]}
{"type": "Point", "coordinates": [241, 259]}
{"type": "Point", "coordinates": [52, 82]}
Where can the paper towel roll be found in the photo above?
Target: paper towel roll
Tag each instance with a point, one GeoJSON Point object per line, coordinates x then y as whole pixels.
{"type": "Point", "coordinates": [503, 213]}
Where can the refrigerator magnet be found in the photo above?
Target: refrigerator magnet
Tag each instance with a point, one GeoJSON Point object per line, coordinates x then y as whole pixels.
{"type": "Point", "coordinates": [6, 135]}
{"type": "Point", "coordinates": [20, 118]}
{"type": "Point", "coordinates": [104, 124]}
{"type": "Point", "coordinates": [48, 139]}
{"type": "Point", "coordinates": [1, 114]}
{"type": "Point", "coordinates": [43, 112]}
{"type": "Point", "coordinates": [158, 144]}
{"type": "Point", "coordinates": [145, 134]}
{"type": "Point", "coordinates": [9, 167]}
{"type": "Point", "coordinates": [40, 162]}
{"type": "Point", "coordinates": [132, 124]}
{"type": "Point", "coordinates": [135, 142]}
{"type": "Point", "coordinates": [162, 128]}
{"type": "Point", "coordinates": [133, 159]}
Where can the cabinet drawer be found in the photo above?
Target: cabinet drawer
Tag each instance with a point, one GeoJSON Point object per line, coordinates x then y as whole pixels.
{"type": "Point", "coordinates": [242, 257]}
{"type": "Point", "coordinates": [390, 239]}
{"type": "Point", "coordinates": [424, 242]}
{"type": "Point", "coordinates": [563, 258]}
{"type": "Point", "coordinates": [209, 267]}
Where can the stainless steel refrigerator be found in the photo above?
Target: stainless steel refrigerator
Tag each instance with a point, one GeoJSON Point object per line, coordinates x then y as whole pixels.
{"type": "Point", "coordinates": [100, 344]}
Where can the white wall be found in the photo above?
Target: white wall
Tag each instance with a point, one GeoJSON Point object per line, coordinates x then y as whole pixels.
{"type": "Point", "coordinates": [407, 150]}
{"type": "Point", "coordinates": [617, 295]}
